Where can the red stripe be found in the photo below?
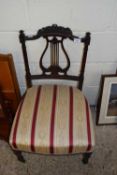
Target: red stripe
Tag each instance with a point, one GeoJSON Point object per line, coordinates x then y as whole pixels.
{"type": "Point", "coordinates": [36, 105]}
{"type": "Point", "coordinates": [88, 126]}
{"type": "Point", "coordinates": [16, 124]}
{"type": "Point", "coordinates": [53, 119]}
{"type": "Point", "coordinates": [71, 120]}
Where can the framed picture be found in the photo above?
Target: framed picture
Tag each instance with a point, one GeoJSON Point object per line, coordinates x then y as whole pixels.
{"type": "Point", "coordinates": [107, 104]}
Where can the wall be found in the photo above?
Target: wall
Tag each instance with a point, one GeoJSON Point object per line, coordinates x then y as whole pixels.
{"type": "Point", "coordinates": [96, 16]}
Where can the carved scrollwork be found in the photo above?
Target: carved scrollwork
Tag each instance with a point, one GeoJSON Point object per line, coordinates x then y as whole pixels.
{"type": "Point", "coordinates": [56, 30]}
{"type": "Point", "coordinates": [53, 30]}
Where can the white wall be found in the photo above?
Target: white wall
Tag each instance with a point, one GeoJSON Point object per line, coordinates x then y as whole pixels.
{"type": "Point", "coordinates": [97, 16]}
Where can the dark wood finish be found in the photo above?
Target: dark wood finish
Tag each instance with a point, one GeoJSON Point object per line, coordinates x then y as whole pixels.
{"type": "Point", "coordinates": [86, 41]}
{"type": "Point", "coordinates": [9, 94]}
{"type": "Point", "coordinates": [54, 36]}
{"type": "Point", "coordinates": [4, 129]}
{"type": "Point", "coordinates": [86, 157]}
{"type": "Point", "coordinates": [19, 156]}
{"type": "Point", "coordinates": [3, 112]}
{"type": "Point", "coordinates": [8, 81]}
{"type": "Point", "coordinates": [5, 119]}
{"type": "Point", "coordinates": [100, 95]}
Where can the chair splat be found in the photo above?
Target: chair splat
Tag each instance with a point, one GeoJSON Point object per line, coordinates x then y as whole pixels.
{"type": "Point", "coordinates": [55, 68]}
{"type": "Point", "coordinates": [54, 36]}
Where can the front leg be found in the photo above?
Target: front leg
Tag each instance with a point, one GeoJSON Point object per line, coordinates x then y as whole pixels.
{"type": "Point", "coordinates": [86, 157]}
{"type": "Point", "coordinates": [19, 156]}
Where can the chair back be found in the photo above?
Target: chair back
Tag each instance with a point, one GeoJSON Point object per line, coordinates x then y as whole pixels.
{"type": "Point", "coordinates": [54, 36]}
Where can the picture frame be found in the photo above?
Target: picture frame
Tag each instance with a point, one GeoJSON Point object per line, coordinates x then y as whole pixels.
{"type": "Point", "coordinates": [107, 102]}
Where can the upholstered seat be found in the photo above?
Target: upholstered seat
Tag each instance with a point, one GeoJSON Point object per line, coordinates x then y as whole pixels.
{"type": "Point", "coordinates": [53, 119]}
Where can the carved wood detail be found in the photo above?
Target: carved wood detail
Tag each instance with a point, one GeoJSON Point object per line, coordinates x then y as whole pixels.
{"type": "Point", "coordinates": [54, 36]}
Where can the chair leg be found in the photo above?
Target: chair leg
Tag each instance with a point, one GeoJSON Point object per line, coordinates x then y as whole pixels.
{"type": "Point", "coordinates": [19, 156]}
{"type": "Point", "coordinates": [86, 157]}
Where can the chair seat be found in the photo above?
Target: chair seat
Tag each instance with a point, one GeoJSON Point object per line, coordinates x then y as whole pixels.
{"type": "Point", "coordinates": [53, 119]}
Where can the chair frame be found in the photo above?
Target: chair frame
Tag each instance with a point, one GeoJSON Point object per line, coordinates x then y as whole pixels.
{"type": "Point", "coordinates": [54, 71]}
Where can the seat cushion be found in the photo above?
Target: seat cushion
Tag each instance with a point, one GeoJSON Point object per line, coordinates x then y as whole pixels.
{"type": "Point", "coordinates": [53, 119]}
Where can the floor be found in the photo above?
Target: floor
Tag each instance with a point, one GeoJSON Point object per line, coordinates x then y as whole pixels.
{"type": "Point", "coordinates": [102, 162]}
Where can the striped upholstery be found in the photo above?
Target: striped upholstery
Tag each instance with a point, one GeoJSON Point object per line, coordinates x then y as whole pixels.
{"type": "Point", "coordinates": [53, 119]}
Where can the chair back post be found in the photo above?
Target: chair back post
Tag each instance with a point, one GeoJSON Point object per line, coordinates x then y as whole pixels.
{"type": "Point", "coordinates": [86, 41]}
{"type": "Point", "coordinates": [27, 69]}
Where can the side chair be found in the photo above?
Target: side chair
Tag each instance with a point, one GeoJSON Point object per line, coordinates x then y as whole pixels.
{"type": "Point", "coordinates": [53, 119]}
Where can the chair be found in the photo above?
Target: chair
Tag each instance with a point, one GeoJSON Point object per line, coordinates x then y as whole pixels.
{"type": "Point", "coordinates": [53, 119]}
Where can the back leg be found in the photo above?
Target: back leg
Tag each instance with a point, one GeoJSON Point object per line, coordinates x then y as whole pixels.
{"type": "Point", "coordinates": [86, 157]}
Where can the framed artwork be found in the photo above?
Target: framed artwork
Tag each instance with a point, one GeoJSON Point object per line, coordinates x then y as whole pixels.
{"type": "Point", "coordinates": [107, 104]}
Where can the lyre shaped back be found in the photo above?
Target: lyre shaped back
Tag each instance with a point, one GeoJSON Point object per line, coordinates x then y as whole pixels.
{"type": "Point", "coordinates": [54, 36]}
{"type": "Point", "coordinates": [55, 44]}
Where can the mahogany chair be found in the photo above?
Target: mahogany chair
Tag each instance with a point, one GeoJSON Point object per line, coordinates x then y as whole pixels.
{"type": "Point", "coordinates": [53, 119]}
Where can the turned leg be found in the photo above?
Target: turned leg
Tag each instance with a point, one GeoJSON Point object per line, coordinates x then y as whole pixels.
{"type": "Point", "coordinates": [19, 156]}
{"type": "Point", "coordinates": [86, 157]}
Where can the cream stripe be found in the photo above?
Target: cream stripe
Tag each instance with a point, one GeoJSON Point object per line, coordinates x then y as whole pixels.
{"type": "Point", "coordinates": [25, 121]}
{"type": "Point", "coordinates": [61, 132]}
{"type": "Point", "coordinates": [79, 123]}
{"type": "Point", "coordinates": [42, 130]}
